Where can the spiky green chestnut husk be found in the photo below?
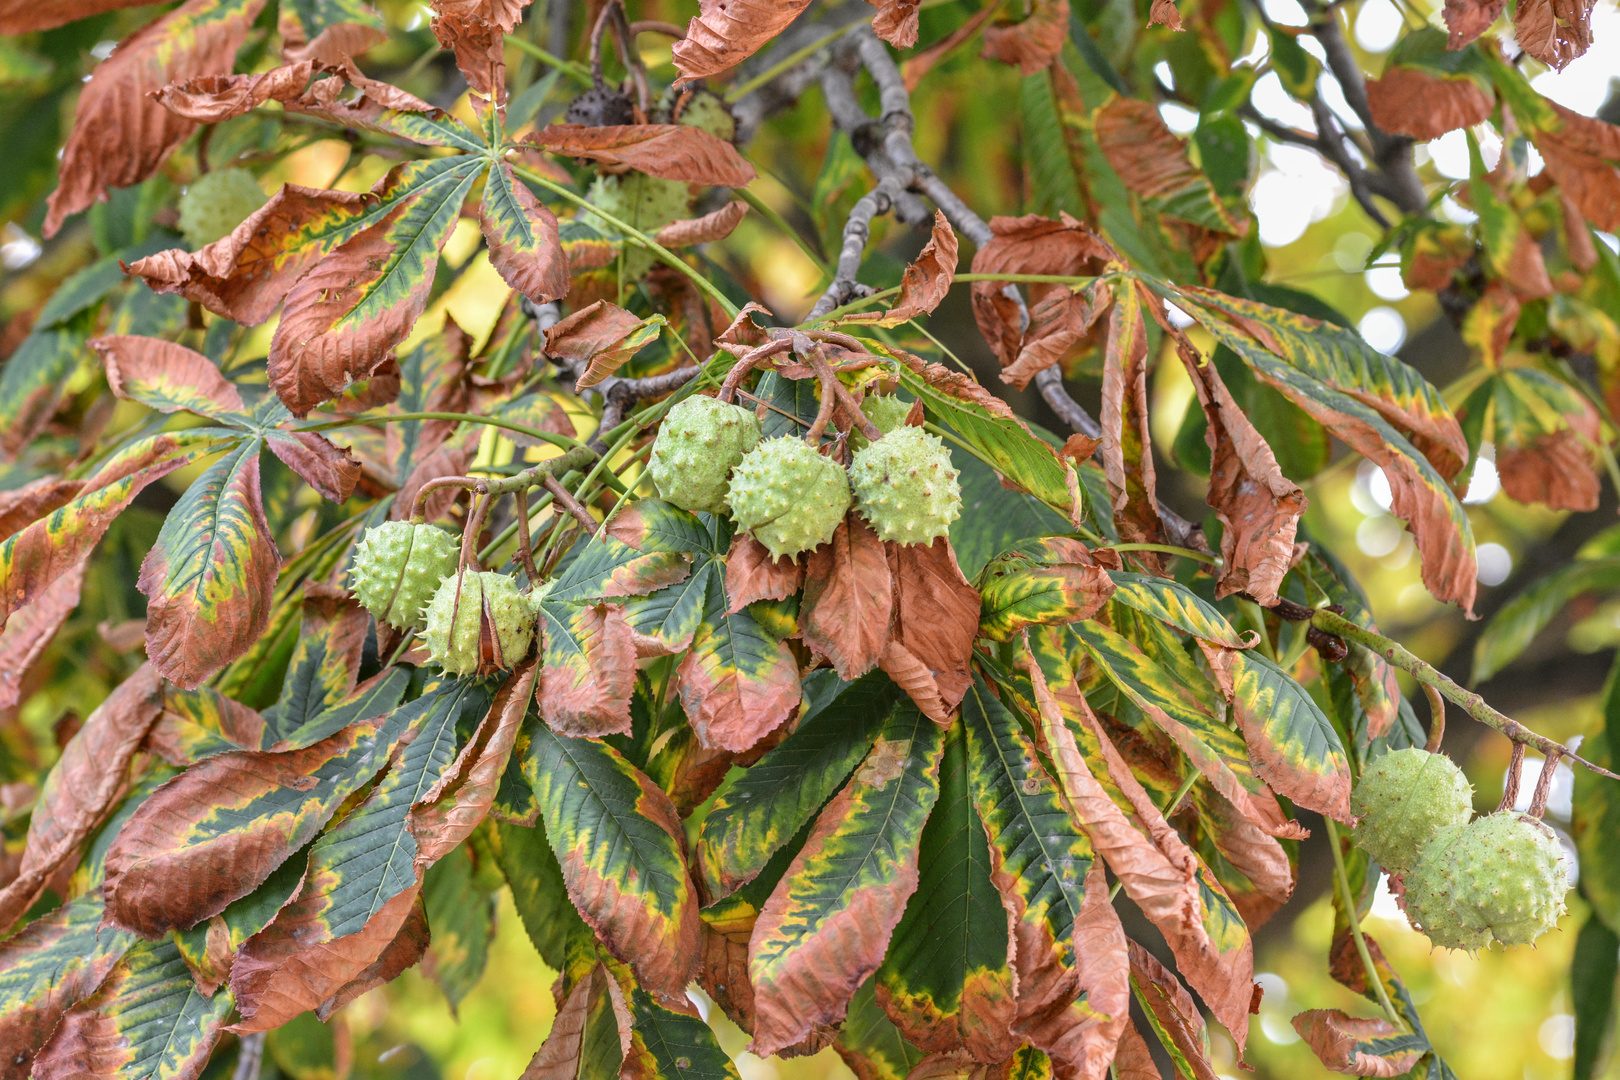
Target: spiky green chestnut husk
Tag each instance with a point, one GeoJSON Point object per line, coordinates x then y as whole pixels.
{"type": "Point", "coordinates": [698, 444]}
{"type": "Point", "coordinates": [886, 411]}
{"type": "Point", "coordinates": [478, 623]}
{"type": "Point", "coordinates": [397, 567]}
{"type": "Point", "coordinates": [788, 496]}
{"type": "Point", "coordinates": [1501, 878]}
{"type": "Point", "coordinates": [709, 112]}
{"type": "Point", "coordinates": [642, 202]}
{"type": "Point", "coordinates": [1402, 798]}
{"type": "Point", "coordinates": [1430, 895]}
{"type": "Point", "coordinates": [905, 486]}
{"type": "Point", "coordinates": [216, 203]}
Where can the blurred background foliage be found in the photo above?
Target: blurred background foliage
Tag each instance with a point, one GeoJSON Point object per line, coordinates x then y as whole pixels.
{"type": "Point", "coordinates": [985, 129]}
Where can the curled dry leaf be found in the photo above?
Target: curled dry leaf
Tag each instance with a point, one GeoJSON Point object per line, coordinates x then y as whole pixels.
{"type": "Point", "coordinates": [1583, 156]}
{"type": "Point", "coordinates": [1034, 43]}
{"type": "Point", "coordinates": [1164, 13]}
{"type": "Point", "coordinates": [328, 469]}
{"type": "Point", "coordinates": [1344, 1043]}
{"type": "Point", "coordinates": [602, 337]}
{"type": "Point", "coordinates": [1127, 441]}
{"type": "Point", "coordinates": [212, 99]}
{"type": "Point", "coordinates": [703, 230]}
{"type": "Point", "coordinates": [848, 599]}
{"type": "Point", "coordinates": [668, 151]}
{"type": "Point", "coordinates": [1554, 31]}
{"type": "Point", "coordinates": [724, 33]}
{"type": "Point", "coordinates": [936, 619]}
{"type": "Point", "coordinates": [896, 21]}
{"type": "Point", "coordinates": [1556, 468]}
{"type": "Point", "coordinates": [751, 574]}
{"type": "Point", "coordinates": [120, 136]}
{"type": "Point", "coordinates": [566, 1051]}
{"type": "Point", "coordinates": [1174, 1009]}
{"type": "Point", "coordinates": [1467, 19]}
{"type": "Point", "coordinates": [1424, 105]}
{"type": "Point", "coordinates": [82, 788]}
{"type": "Point", "coordinates": [479, 46]}
{"type": "Point", "coordinates": [331, 46]}
{"type": "Point", "coordinates": [928, 279]}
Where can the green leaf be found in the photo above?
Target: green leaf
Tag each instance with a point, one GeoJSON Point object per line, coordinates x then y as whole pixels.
{"type": "Point", "coordinates": [869, 1042]}
{"type": "Point", "coordinates": [1053, 186]}
{"type": "Point", "coordinates": [147, 1020]}
{"type": "Point", "coordinates": [538, 891]}
{"type": "Point", "coordinates": [672, 615]}
{"type": "Point", "coordinates": [994, 518]}
{"type": "Point", "coordinates": [32, 380]}
{"type": "Point", "coordinates": [210, 578]}
{"type": "Point", "coordinates": [461, 914]}
{"type": "Point", "coordinates": [945, 981]}
{"type": "Point", "coordinates": [1296, 68]}
{"type": "Point", "coordinates": [669, 1045]}
{"type": "Point", "coordinates": [1173, 604]}
{"type": "Point", "coordinates": [1595, 822]}
{"type": "Point", "coordinates": [795, 397]}
{"type": "Point", "coordinates": [1291, 741]}
{"type": "Point", "coordinates": [321, 672]}
{"type": "Point", "coordinates": [758, 810]}
{"type": "Point", "coordinates": [618, 842]}
{"type": "Point", "coordinates": [826, 927]}
{"type": "Point", "coordinates": [1516, 624]}
{"type": "Point", "coordinates": [1592, 974]}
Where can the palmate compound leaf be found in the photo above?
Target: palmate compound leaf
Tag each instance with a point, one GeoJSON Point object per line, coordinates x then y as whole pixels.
{"type": "Point", "coordinates": [825, 928]}
{"type": "Point", "coordinates": [226, 823]}
{"type": "Point", "coordinates": [618, 841]}
{"type": "Point", "coordinates": [945, 980]}
{"type": "Point", "coordinates": [758, 810]}
{"type": "Point", "coordinates": [148, 1019]}
{"type": "Point", "coordinates": [1067, 947]}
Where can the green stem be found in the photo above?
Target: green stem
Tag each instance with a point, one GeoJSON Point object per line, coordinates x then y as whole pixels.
{"type": "Point", "coordinates": [1341, 877]}
{"type": "Point", "coordinates": [551, 437]}
{"type": "Point", "coordinates": [576, 71]}
{"type": "Point", "coordinates": [659, 251]}
{"type": "Point", "coordinates": [1169, 549]}
{"type": "Point", "coordinates": [1470, 703]}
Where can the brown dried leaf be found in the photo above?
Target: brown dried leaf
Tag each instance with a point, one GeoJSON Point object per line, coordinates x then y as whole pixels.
{"type": "Point", "coordinates": [928, 279]}
{"type": "Point", "coordinates": [1034, 43]}
{"type": "Point", "coordinates": [1559, 468]}
{"type": "Point", "coordinates": [669, 151]}
{"type": "Point", "coordinates": [1134, 1061]}
{"type": "Point", "coordinates": [703, 230]}
{"type": "Point", "coordinates": [405, 951]}
{"type": "Point", "coordinates": [751, 574]}
{"type": "Point", "coordinates": [848, 599]}
{"type": "Point", "coordinates": [331, 46]}
{"type": "Point", "coordinates": [167, 376]}
{"type": "Point", "coordinates": [1423, 105]}
{"type": "Point", "coordinates": [595, 335]}
{"type": "Point", "coordinates": [726, 32]}
{"type": "Point", "coordinates": [743, 333]}
{"type": "Point", "coordinates": [896, 21]}
{"type": "Point", "coordinates": [1175, 1010]}
{"type": "Point", "coordinates": [22, 16]}
{"type": "Point", "coordinates": [211, 99]}
{"type": "Point", "coordinates": [1034, 245]}
{"type": "Point", "coordinates": [598, 704]}
{"type": "Point", "coordinates": [328, 469]}
{"type": "Point", "coordinates": [1164, 13]}
{"type": "Point", "coordinates": [1583, 156]}
{"type": "Point", "coordinates": [27, 634]}
{"type": "Point", "coordinates": [1333, 1035]}
{"type": "Point", "coordinates": [562, 1054]}
{"type": "Point", "coordinates": [534, 263]}
{"type": "Point", "coordinates": [1253, 853]}
{"type": "Point", "coordinates": [936, 618]}
{"type": "Point", "coordinates": [480, 49]}
{"type": "Point", "coordinates": [83, 786]}
{"type": "Point", "coordinates": [171, 737]}
{"type": "Point", "coordinates": [1554, 31]}
{"type": "Point", "coordinates": [1467, 19]}
{"type": "Point", "coordinates": [1127, 441]}
{"type": "Point", "coordinates": [119, 135]}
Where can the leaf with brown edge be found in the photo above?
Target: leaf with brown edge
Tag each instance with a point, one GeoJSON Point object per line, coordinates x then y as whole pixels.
{"type": "Point", "coordinates": [47, 967]}
{"type": "Point", "coordinates": [524, 246]}
{"type": "Point", "coordinates": [276, 976]}
{"type": "Point", "coordinates": [602, 336]}
{"type": "Point", "coordinates": [22, 16]}
{"type": "Point", "coordinates": [738, 681]}
{"type": "Point", "coordinates": [1583, 156]}
{"type": "Point", "coordinates": [1152, 162]}
{"type": "Point", "coordinates": [751, 574]}
{"type": "Point", "coordinates": [328, 32]}
{"type": "Point", "coordinates": [1173, 1014]}
{"type": "Point", "coordinates": [724, 33]}
{"type": "Point", "coordinates": [200, 723]}
{"type": "Point", "coordinates": [480, 51]}
{"type": "Point", "coordinates": [1127, 443]}
{"type": "Point", "coordinates": [167, 377]}
{"type": "Point", "coordinates": [1050, 581]}
{"type": "Point", "coordinates": [1033, 244]}
{"type": "Point", "coordinates": [668, 151]}
{"type": "Point", "coordinates": [384, 108]}
{"type": "Point", "coordinates": [1164, 13]}
{"type": "Point", "coordinates": [345, 316]}
{"type": "Point", "coordinates": [589, 669]}
{"type": "Point", "coordinates": [120, 136]}
{"type": "Point", "coordinates": [406, 950]}
{"type": "Point", "coordinates": [28, 633]}
{"type": "Point", "coordinates": [1359, 1046]}
{"type": "Point", "coordinates": [1554, 31]}
{"type": "Point", "coordinates": [1292, 742]}
{"type": "Point", "coordinates": [36, 556]}
{"type": "Point", "coordinates": [210, 577]}
{"type": "Point", "coordinates": [1034, 43]}
{"type": "Point", "coordinates": [1134, 1061]}
{"type": "Point", "coordinates": [826, 926]}
{"type": "Point", "coordinates": [83, 786]}
{"type": "Point", "coordinates": [329, 469]}
{"type": "Point", "coordinates": [24, 505]}
{"type": "Point", "coordinates": [703, 230]}
{"type": "Point", "coordinates": [936, 616]}
{"type": "Point", "coordinates": [928, 278]}
{"type": "Point", "coordinates": [1424, 104]}
{"type": "Point", "coordinates": [213, 99]}
{"type": "Point", "coordinates": [619, 843]}
{"type": "Point", "coordinates": [1259, 508]}
{"type": "Point", "coordinates": [590, 1036]}
{"type": "Point", "coordinates": [848, 599]}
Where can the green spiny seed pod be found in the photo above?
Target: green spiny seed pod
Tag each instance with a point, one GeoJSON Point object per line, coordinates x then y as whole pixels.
{"type": "Point", "coordinates": [478, 623]}
{"type": "Point", "coordinates": [886, 411]}
{"type": "Point", "coordinates": [1402, 798]}
{"type": "Point", "coordinates": [789, 496]}
{"type": "Point", "coordinates": [643, 202]}
{"type": "Point", "coordinates": [397, 567]}
{"type": "Point", "coordinates": [906, 486]}
{"type": "Point", "coordinates": [699, 443]}
{"type": "Point", "coordinates": [216, 203]}
{"type": "Point", "coordinates": [1431, 887]}
{"type": "Point", "coordinates": [709, 112]}
{"type": "Point", "coordinates": [1506, 874]}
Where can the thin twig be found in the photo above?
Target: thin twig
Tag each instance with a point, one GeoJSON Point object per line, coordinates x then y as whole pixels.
{"type": "Point", "coordinates": [1538, 801]}
{"type": "Point", "coordinates": [250, 1057]}
{"type": "Point", "coordinates": [566, 500]}
{"type": "Point", "coordinates": [1510, 788]}
{"type": "Point", "coordinates": [1437, 718]}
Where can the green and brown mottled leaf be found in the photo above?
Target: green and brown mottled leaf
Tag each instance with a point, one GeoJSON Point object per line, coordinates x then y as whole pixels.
{"type": "Point", "coordinates": [324, 663]}
{"type": "Point", "coordinates": [1172, 1014]}
{"type": "Point", "coordinates": [148, 1019]}
{"type": "Point", "coordinates": [667, 1045]}
{"type": "Point", "coordinates": [168, 377]}
{"type": "Point", "coordinates": [739, 682]}
{"type": "Point", "coordinates": [870, 1044]}
{"type": "Point", "coordinates": [1173, 604]}
{"type": "Point", "coordinates": [590, 1036]}
{"type": "Point", "coordinates": [199, 723]}
{"type": "Point", "coordinates": [210, 577]}
{"type": "Point", "coordinates": [757, 811]}
{"type": "Point", "coordinates": [618, 842]}
{"type": "Point", "coordinates": [524, 245]}
{"type": "Point", "coordinates": [1053, 581]}
{"type": "Point", "coordinates": [945, 980]}
{"type": "Point", "coordinates": [222, 827]}
{"type": "Point", "coordinates": [601, 337]}
{"type": "Point", "coordinates": [826, 927]}
{"type": "Point", "coordinates": [1126, 450]}
{"type": "Point", "coordinates": [1291, 741]}
{"type": "Point", "coordinates": [664, 621]}
{"type": "Point", "coordinates": [588, 671]}
{"type": "Point", "coordinates": [1360, 1046]}
{"type": "Point", "coordinates": [32, 381]}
